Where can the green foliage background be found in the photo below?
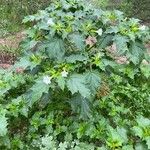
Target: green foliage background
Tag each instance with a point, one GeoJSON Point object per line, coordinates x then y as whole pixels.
{"type": "Point", "coordinates": [68, 91]}
{"type": "Point", "coordinates": [13, 11]}
{"type": "Point", "coordinates": [137, 8]}
{"type": "Point", "coordinates": [133, 8]}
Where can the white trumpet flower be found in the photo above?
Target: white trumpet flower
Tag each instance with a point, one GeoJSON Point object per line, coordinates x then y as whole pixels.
{"type": "Point", "coordinates": [143, 27]}
{"type": "Point", "coordinates": [64, 73]}
{"type": "Point", "coordinates": [99, 31]}
{"type": "Point", "coordinates": [50, 22]}
{"type": "Point", "coordinates": [47, 79]}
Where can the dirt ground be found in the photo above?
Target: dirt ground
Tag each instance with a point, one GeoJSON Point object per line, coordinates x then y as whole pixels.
{"type": "Point", "coordinates": [12, 41]}
{"type": "Point", "coordinates": [8, 46]}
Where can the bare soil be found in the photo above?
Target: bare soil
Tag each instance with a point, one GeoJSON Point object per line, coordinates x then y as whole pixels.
{"type": "Point", "coordinates": [7, 58]}
{"type": "Point", "coordinates": [13, 40]}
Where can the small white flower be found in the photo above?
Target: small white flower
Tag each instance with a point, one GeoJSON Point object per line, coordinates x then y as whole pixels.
{"type": "Point", "coordinates": [50, 22]}
{"type": "Point", "coordinates": [47, 79]}
{"type": "Point", "coordinates": [98, 55]}
{"type": "Point", "coordinates": [143, 27]}
{"type": "Point", "coordinates": [64, 73]}
{"type": "Point", "coordinates": [99, 31]}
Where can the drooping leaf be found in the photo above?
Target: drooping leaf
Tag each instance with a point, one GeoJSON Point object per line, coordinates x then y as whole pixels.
{"type": "Point", "coordinates": [45, 99]}
{"type": "Point", "coordinates": [136, 52]}
{"type": "Point", "coordinates": [105, 41]}
{"type": "Point", "coordinates": [24, 62]}
{"type": "Point", "coordinates": [93, 81]}
{"type": "Point", "coordinates": [28, 44]}
{"type": "Point", "coordinates": [123, 134]}
{"type": "Point", "coordinates": [29, 60]}
{"type": "Point", "coordinates": [61, 82]}
{"type": "Point", "coordinates": [36, 91]}
{"type": "Point", "coordinates": [78, 41]}
{"type": "Point", "coordinates": [81, 105]}
{"type": "Point", "coordinates": [121, 43]}
{"type": "Point", "coordinates": [76, 83]}
{"type": "Point", "coordinates": [138, 131]}
{"type": "Point", "coordinates": [55, 48]}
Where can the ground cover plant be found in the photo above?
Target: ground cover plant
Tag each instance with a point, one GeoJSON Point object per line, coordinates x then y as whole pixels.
{"type": "Point", "coordinates": [82, 83]}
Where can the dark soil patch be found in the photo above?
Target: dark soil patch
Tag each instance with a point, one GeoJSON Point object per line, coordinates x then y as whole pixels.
{"type": "Point", "coordinates": [8, 48]}
{"type": "Point", "coordinates": [7, 58]}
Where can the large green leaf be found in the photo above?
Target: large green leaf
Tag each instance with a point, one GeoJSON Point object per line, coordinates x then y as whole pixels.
{"type": "Point", "coordinates": [118, 135]}
{"type": "Point", "coordinates": [81, 105]}
{"type": "Point", "coordinates": [123, 134]}
{"type": "Point", "coordinates": [76, 83]}
{"type": "Point", "coordinates": [136, 54]}
{"type": "Point", "coordinates": [29, 44]}
{"type": "Point", "coordinates": [121, 43]}
{"type": "Point", "coordinates": [29, 60]}
{"type": "Point", "coordinates": [138, 131]}
{"type": "Point", "coordinates": [93, 81]}
{"type": "Point", "coordinates": [78, 41]}
{"type": "Point", "coordinates": [36, 91]}
{"type": "Point", "coordinates": [105, 41]}
{"type": "Point", "coordinates": [25, 62]}
{"type": "Point", "coordinates": [55, 48]}
{"type": "Point", "coordinates": [61, 82]}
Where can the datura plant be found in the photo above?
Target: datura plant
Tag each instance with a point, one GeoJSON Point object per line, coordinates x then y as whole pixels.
{"type": "Point", "coordinates": [78, 83]}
